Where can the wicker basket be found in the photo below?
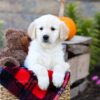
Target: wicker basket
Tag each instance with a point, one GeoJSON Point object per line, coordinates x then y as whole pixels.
{"type": "Point", "coordinates": [6, 95]}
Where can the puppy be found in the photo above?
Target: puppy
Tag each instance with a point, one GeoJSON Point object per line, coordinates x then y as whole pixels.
{"type": "Point", "coordinates": [45, 50]}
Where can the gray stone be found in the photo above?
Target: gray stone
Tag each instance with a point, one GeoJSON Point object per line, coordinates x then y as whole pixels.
{"type": "Point", "coordinates": [19, 13]}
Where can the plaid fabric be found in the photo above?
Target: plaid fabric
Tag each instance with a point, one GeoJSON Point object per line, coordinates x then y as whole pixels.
{"type": "Point", "coordinates": [23, 84]}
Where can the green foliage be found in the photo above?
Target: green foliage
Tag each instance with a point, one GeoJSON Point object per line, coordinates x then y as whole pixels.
{"type": "Point", "coordinates": [87, 27]}
{"type": "Point", "coordinates": [72, 11]}
{"type": "Point", "coordinates": [96, 40]}
{"type": "Point", "coordinates": [1, 34]}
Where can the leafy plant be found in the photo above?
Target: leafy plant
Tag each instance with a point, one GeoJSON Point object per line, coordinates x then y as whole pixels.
{"type": "Point", "coordinates": [96, 41]}
{"type": "Point", "coordinates": [71, 11]}
{"type": "Point", "coordinates": [87, 27]}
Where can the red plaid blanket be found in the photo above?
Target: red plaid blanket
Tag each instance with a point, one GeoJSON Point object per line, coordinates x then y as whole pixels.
{"type": "Point", "coordinates": [23, 84]}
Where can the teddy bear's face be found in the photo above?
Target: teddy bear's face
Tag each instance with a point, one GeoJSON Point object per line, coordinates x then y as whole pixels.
{"type": "Point", "coordinates": [13, 39]}
{"type": "Point", "coordinates": [17, 46]}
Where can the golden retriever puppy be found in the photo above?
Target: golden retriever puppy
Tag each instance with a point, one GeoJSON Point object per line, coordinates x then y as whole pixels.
{"type": "Point", "coordinates": [46, 51]}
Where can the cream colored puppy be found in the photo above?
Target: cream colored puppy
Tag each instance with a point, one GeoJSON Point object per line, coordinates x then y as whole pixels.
{"type": "Point", "coordinates": [45, 50]}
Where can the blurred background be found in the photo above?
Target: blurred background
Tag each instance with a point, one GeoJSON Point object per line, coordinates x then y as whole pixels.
{"type": "Point", "coordinates": [86, 13]}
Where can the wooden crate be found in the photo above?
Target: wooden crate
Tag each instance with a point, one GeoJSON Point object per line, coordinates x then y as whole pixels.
{"type": "Point", "coordinates": [79, 67]}
{"type": "Point", "coordinates": [77, 53]}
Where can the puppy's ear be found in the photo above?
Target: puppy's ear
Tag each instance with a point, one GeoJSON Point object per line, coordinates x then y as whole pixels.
{"type": "Point", "coordinates": [32, 31]}
{"type": "Point", "coordinates": [64, 31]}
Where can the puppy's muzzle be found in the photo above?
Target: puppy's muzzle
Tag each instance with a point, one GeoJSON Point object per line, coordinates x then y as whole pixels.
{"type": "Point", "coordinates": [45, 38]}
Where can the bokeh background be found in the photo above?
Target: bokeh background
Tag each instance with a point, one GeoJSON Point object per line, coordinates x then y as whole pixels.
{"type": "Point", "coordinates": [19, 13]}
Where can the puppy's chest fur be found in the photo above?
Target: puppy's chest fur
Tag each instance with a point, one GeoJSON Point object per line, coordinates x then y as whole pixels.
{"type": "Point", "coordinates": [48, 57]}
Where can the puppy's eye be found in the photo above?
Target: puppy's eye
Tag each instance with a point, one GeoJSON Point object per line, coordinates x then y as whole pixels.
{"type": "Point", "coordinates": [53, 29]}
{"type": "Point", "coordinates": [41, 28]}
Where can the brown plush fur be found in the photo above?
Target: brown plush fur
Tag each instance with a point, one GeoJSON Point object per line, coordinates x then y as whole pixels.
{"type": "Point", "coordinates": [16, 47]}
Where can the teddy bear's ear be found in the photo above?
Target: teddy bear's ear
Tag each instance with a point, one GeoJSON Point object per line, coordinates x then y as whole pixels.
{"type": "Point", "coordinates": [25, 43]}
{"type": "Point", "coordinates": [9, 31]}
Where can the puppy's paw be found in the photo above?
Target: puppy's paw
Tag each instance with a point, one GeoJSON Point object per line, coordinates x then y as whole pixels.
{"type": "Point", "coordinates": [43, 82]}
{"type": "Point", "coordinates": [58, 79]}
{"type": "Point", "coordinates": [67, 67]}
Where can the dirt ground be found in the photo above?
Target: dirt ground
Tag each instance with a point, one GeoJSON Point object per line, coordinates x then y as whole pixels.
{"type": "Point", "coordinates": [92, 91]}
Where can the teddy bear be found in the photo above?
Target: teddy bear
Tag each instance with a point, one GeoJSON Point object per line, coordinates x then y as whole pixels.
{"type": "Point", "coordinates": [16, 48]}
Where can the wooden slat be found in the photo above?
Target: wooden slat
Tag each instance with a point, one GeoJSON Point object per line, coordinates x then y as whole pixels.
{"type": "Point", "coordinates": [83, 66]}
{"type": "Point", "coordinates": [78, 49]}
{"type": "Point", "coordinates": [79, 67]}
{"type": "Point", "coordinates": [73, 67]}
{"type": "Point", "coordinates": [79, 40]}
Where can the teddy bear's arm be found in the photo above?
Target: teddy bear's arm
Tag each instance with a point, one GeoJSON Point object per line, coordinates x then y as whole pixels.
{"type": "Point", "coordinates": [9, 62]}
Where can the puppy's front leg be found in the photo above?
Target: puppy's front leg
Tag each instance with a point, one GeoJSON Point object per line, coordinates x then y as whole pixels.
{"type": "Point", "coordinates": [59, 73]}
{"type": "Point", "coordinates": [42, 76]}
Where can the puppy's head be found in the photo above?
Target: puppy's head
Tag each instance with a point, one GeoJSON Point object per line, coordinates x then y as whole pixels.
{"type": "Point", "coordinates": [48, 30]}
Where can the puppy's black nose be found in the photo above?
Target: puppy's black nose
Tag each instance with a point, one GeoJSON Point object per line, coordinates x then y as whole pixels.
{"type": "Point", "coordinates": [46, 38]}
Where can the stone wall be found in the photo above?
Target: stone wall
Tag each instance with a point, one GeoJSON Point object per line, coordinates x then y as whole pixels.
{"type": "Point", "coordinates": [19, 13]}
